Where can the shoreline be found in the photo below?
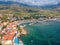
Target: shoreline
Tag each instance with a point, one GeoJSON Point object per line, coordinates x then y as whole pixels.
{"type": "Point", "coordinates": [38, 20]}
{"type": "Point", "coordinates": [24, 32]}
{"type": "Point", "coordinates": [11, 30]}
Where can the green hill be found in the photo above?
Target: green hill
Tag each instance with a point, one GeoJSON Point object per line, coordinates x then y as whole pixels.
{"type": "Point", "coordinates": [20, 10]}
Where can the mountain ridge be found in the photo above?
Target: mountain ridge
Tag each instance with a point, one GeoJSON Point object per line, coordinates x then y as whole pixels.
{"type": "Point", "coordinates": [45, 6]}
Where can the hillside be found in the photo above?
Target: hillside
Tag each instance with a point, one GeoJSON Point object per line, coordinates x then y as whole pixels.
{"type": "Point", "coordinates": [25, 10]}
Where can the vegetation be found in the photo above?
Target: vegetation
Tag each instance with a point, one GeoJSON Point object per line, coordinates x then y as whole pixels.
{"type": "Point", "coordinates": [4, 18]}
{"type": "Point", "coordinates": [26, 12]}
{"type": "Point", "coordinates": [19, 29]}
{"type": "Point", "coordinates": [0, 35]}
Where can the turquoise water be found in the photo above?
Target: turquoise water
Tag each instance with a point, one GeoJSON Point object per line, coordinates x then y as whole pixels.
{"type": "Point", "coordinates": [16, 41]}
{"type": "Point", "coordinates": [44, 33]}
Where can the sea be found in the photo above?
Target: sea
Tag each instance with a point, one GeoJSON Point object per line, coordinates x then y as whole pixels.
{"type": "Point", "coordinates": [42, 33]}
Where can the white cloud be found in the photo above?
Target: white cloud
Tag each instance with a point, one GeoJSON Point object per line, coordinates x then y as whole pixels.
{"type": "Point", "coordinates": [37, 2]}
{"type": "Point", "coordinates": [40, 2]}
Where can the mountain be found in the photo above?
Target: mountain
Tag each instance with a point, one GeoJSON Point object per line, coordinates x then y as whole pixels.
{"type": "Point", "coordinates": [51, 6]}
{"type": "Point", "coordinates": [17, 8]}
{"type": "Point", "coordinates": [6, 2]}
{"type": "Point", "coordinates": [12, 2]}
{"type": "Point", "coordinates": [23, 4]}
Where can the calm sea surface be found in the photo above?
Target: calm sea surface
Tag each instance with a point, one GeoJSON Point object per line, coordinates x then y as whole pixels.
{"type": "Point", "coordinates": [44, 33]}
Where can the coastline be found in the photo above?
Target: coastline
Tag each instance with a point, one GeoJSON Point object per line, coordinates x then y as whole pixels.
{"type": "Point", "coordinates": [24, 32]}
{"type": "Point", "coordinates": [32, 21]}
{"type": "Point", "coordinates": [12, 30]}
{"type": "Point", "coordinates": [22, 27]}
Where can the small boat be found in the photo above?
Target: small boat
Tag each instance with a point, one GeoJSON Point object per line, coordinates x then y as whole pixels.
{"type": "Point", "coordinates": [24, 25]}
{"type": "Point", "coordinates": [31, 23]}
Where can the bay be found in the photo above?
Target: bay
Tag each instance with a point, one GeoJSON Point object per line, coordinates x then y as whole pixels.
{"type": "Point", "coordinates": [44, 33]}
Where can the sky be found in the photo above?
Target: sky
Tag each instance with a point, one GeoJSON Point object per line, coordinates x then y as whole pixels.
{"type": "Point", "coordinates": [36, 2]}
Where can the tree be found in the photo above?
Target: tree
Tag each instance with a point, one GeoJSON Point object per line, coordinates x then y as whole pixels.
{"type": "Point", "coordinates": [19, 29]}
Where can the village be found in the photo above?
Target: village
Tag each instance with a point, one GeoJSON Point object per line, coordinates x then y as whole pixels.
{"type": "Point", "coordinates": [10, 33]}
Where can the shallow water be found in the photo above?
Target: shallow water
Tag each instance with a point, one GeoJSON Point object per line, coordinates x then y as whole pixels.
{"type": "Point", "coordinates": [44, 33]}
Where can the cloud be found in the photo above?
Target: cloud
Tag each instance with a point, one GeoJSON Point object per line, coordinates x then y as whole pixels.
{"type": "Point", "coordinates": [36, 2]}
{"type": "Point", "coordinates": [40, 2]}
